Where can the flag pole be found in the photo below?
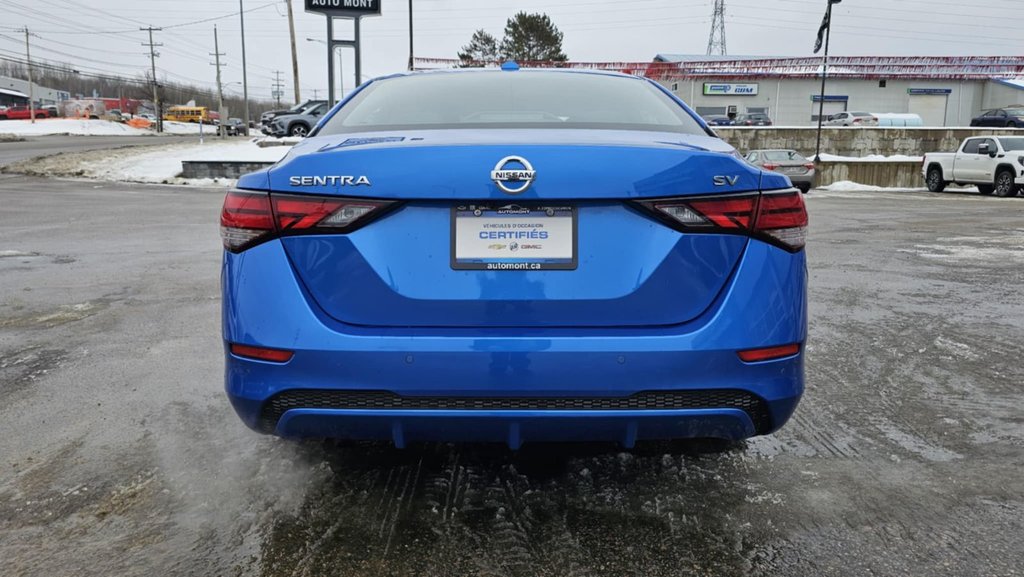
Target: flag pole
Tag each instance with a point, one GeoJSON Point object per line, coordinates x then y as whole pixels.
{"type": "Point", "coordinates": [824, 74]}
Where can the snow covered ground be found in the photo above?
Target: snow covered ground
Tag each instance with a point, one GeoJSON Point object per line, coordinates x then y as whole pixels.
{"type": "Point", "coordinates": [848, 186]}
{"type": "Point", "coordinates": [150, 164]}
{"type": "Point", "coordinates": [84, 127]}
{"type": "Point", "coordinates": [871, 158]}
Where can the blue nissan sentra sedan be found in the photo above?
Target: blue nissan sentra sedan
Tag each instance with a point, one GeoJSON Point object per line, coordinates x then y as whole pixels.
{"type": "Point", "coordinates": [514, 256]}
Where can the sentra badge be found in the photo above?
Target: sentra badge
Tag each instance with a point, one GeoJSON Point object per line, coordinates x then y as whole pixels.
{"type": "Point", "coordinates": [331, 180]}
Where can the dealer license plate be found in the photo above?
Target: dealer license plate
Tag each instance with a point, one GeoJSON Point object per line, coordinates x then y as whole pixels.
{"type": "Point", "coordinates": [513, 237]}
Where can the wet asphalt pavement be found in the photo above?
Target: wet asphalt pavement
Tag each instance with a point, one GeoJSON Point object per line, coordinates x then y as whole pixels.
{"type": "Point", "coordinates": [119, 454]}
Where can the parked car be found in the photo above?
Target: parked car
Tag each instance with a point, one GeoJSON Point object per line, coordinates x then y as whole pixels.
{"type": "Point", "coordinates": [788, 162]}
{"type": "Point", "coordinates": [21, 112]}
{"type": "Point", "coordinates": [267, 117]}
{"type": "Point", "coordinates": [148, 116]}
{"type": "Point", "coordinates": [1012, 117]}
{"type": "Point", "coordinates": [754, 119]}
{"type": "Point", "coordinates": [235, 127]}
{"type": "Point", "coordinates": [297, 124]}
{"type": "Point", "coordinates": [852, 119]}
{"type": "Point", "coordinates": [380, 288]}
{"type": "Point", "coordinates": [995, 164]}
{"type": "Point", "coordinates": [51, 110]}
{"type": "Point", "coordinates": [719, 120]}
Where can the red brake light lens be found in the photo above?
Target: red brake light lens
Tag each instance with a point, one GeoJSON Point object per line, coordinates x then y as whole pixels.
{"type": "Point", "coordinates": [249, 218]}
{"type": "Point", "coordinates": [261, 353]}
{"type": "Point", "coordinates": [245, 218]}
{"type": "Point", "coordinates": [769, 353]}
{"type": "Point", "coordinates": [769, 166]}
{"type": "Point", "coordinates": [783, 217]}
{"type": "Point", "coordinates": [779, 217]}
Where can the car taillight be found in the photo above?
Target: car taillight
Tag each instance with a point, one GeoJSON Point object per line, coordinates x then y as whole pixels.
{"type": "Point", "coordinates": [778, 217]}
{"type": "Point", "coordinates": [245, 218]}
{"type": "Point", "coordinates": [809, 166]}
{"type": "Point", "coordinates": [856, 120]}
{"type": "Point", "coordinates": [249, 218]}
{"type": "Point", "coordinates": [769, 166]}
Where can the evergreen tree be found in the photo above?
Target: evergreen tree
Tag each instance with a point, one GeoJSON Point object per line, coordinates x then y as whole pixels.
{"type": "Point", "coordinates": [532, 37]}
{"type": "Point", "coordinates": [482, 48]}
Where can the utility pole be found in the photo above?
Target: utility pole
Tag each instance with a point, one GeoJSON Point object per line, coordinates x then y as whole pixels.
{"type": "Point", "coordinates": [222, 128]}
{"type": "Point", "coordinates": [152, 63]}
{"type": "Point", "coordinates": [295, 54]}
{"type": "Point", "coordinates": [245, 78]}
{"type": "Point", "coordinates": [277, 87]}
{"type": "Point", "coordinates": [716, 40]}
{"type": "Point", "coordinates": [31, 87]}
{"type": "Point", "coordinates": [411, 57]}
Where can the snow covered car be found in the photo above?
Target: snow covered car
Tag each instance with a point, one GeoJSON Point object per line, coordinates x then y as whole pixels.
{"type": "Point", "coordinates": [514, 256]}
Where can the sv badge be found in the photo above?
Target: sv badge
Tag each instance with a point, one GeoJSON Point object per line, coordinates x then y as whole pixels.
{"type": "Point", "coordinates": [726, 180]}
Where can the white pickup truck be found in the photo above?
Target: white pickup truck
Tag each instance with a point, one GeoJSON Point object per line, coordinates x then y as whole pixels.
{"type": "Point", "coordinates": [994, 163]}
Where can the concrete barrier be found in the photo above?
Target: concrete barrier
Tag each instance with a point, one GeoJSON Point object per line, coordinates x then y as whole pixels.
{"type": "Point", "coordinates": [886, 141]}
{"type": "Point", "coordinates": [219, 168]}
{"type": "Point", "coordinates": [887, 174]}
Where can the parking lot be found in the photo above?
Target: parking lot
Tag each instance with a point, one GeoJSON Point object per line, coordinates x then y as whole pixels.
{"type": "Point", "coordinates": [119, 454]}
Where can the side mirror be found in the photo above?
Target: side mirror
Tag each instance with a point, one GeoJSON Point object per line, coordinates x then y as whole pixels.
{"type": "Point", "coordinates": [984, 149]}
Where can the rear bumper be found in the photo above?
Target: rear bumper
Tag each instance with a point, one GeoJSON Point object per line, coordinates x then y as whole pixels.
{"type": "Point", "coordinates": [764, 305]}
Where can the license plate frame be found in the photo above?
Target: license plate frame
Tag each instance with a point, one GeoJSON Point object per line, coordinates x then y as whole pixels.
{"type": "Point", "coordinates": [525, 227]}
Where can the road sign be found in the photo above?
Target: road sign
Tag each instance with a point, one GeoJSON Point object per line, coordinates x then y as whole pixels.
{"type": "Point", "coordinates": [344, 8]}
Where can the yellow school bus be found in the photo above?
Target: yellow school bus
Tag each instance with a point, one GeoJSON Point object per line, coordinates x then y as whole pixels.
{"type": "Point", "coordinates": [187, 114]}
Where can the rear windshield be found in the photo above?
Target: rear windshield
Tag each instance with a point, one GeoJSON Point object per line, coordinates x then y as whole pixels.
{"type": "Point", "coordinates": [860, 114]}
{"type": "Point", "coordinates": [782, 155]}
{"type": "Point", "coordinates": [520, 99]}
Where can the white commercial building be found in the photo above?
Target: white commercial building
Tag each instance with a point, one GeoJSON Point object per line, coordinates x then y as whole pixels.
{"type": "Point", "coordinates": [943, 91]}
{"type": "Point", "coordinates": [41, 94]}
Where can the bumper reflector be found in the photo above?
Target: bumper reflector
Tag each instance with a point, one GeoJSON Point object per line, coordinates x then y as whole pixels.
{"type": "Point", "coordinates": [261, 353]}
{"type": "Point", "coordinates": [769, 354]}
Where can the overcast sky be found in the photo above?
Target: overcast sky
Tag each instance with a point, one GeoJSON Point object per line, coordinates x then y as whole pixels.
{"type": "Point", "coordinates": [101, 35]}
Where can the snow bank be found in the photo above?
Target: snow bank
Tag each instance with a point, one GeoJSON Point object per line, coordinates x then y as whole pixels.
{"type": "Point", "coordinates": [849, 186]}
{"type": "Point", "coordinates": [163, 164]}
{"type": "Point", "coordinates": [77, 126]}
{"type": "Point", "coordinates": [871, 158]}
{"type": "Point", "coordinates": [86, 127]}
{"type": "Point", "coordinates": [159, 164]}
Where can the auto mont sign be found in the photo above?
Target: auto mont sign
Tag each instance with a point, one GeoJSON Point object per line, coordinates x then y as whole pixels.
{"type": "Point", "coordinates": [348, 8]}
{"type": "Point", "coordinates": [725, 88]}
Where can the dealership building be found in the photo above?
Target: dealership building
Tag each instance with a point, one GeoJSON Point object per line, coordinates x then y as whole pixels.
{"type": "Point", "coordinates": [943, 91]}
